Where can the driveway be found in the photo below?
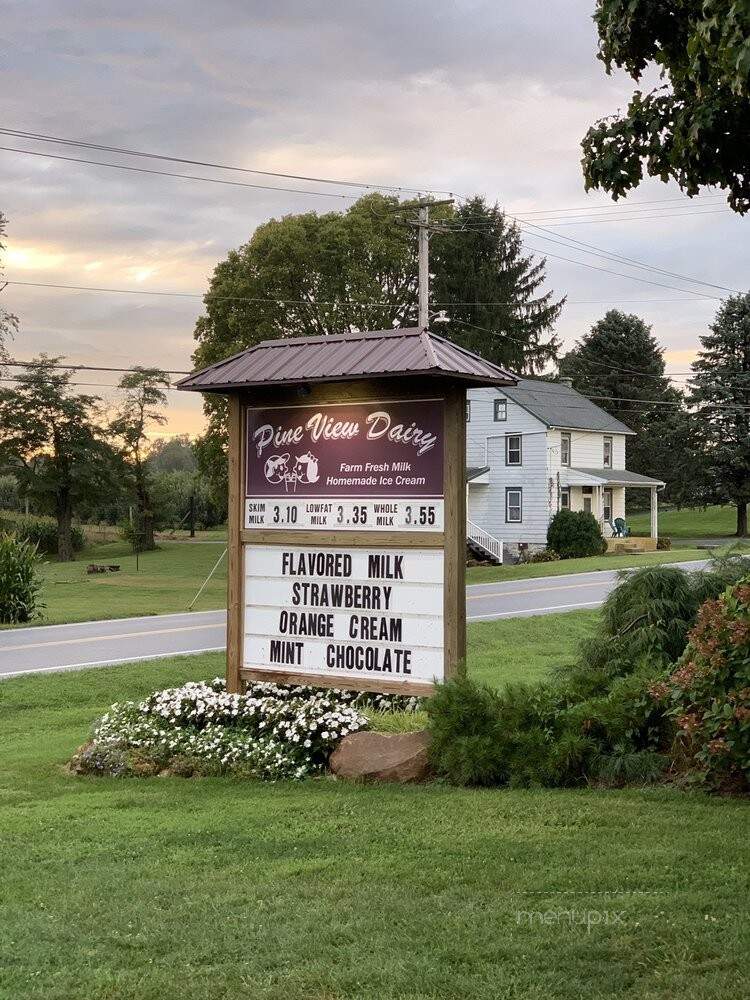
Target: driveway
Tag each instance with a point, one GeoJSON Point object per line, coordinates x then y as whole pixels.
{"type": "Point", "coordinates": [102, 643]}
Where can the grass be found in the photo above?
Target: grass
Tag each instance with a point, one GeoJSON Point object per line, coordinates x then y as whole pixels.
{"type": "Point", "coordinates": [489, 574]}
{"type": "Point", "coordinates": [167, 580]}
{"type": "Point", "coordinates": [139, 889]}
{"type": "Point", "coordinates": [695, 522]}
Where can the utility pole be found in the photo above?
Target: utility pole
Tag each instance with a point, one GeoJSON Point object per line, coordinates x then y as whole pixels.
{"type": "Point", "coordinates": [422, 223]}
{"type": "Point", "coordinates": [424, 266]}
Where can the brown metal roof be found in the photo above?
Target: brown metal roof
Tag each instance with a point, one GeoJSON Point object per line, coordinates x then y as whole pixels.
{"type": "Point", "coordinates": [341, 357]}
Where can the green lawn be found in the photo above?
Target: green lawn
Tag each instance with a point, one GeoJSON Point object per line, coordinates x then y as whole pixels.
{"type": "Point", "coordinates": [167, 580]}
{"type": "Point", "coordinates": [694, 522]}
{"type": "Point", "coordinates": [144, 889]}
{"type": "Point", "coordinates": [487, 574]}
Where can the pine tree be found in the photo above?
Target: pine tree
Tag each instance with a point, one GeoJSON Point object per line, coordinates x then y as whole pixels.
{"type": "Point", "coordinates": [490, 289]}
{"type": "Point", "coordinates": [720, 388]}
{"type": "Point", "coordinates": [620, 361]}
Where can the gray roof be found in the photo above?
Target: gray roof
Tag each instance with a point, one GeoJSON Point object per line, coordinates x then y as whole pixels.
{"type": "Point", "coordinates": [620, 477]}
{"type": "Point", "coordinates": [341, 357]}
{"type": "Point", "coordinates": [559, 405]}
{"type": "Point", "coordinates": [473, 471]}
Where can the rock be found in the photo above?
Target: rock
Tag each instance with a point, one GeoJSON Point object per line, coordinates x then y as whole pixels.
{"type": "Point", "coordinates": [370, 756]}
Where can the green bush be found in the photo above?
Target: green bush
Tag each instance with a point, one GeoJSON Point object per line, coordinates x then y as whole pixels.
{"type": "Point", "coordinates": [708, 695]}
{"type": "Point", "coordinates": [19, 581]}
{"type": "Point", "coordinates": [40, 531]}
{"type": "Point", "coordinates": [599, 721]}
{"type": "Point", "coordinates": [575, 534]}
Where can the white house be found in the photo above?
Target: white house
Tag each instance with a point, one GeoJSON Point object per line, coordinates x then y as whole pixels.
{"type": "Point", "coordinates": [534, 448]}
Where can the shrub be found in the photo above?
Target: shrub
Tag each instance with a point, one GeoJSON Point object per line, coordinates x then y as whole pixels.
{"type": "Point", "coordinates": [575, 534]}
{"type": "Point", "coordinates": [270, 732]}
{"type": "Point", "coordinates": [708, 694]}
{"type": "Point", "coordinates": [663, 544]}
{"type": "Point", "coordinates": [541, 556]}
{"type": "Point", "coordinates": [40, 531]}
{"type": "Point", "coordinates": [19, 581]}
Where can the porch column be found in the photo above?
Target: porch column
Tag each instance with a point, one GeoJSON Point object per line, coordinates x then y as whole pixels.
{"type": "Point", "coordinates": [654, 513]}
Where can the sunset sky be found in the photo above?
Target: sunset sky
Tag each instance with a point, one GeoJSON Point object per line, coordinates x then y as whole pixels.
{"type": "Point", "coordinates": [473, 97]}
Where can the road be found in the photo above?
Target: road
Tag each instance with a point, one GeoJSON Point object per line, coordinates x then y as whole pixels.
{"type": "Point", "coordinates": [92, 644]}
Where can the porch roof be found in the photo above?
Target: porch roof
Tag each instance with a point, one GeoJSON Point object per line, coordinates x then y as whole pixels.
{"type": "Point", "coordinates": [605, 477]}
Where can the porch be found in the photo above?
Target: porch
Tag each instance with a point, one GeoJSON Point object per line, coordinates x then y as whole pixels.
{"type": "Point", "coordinates": [601, 492]}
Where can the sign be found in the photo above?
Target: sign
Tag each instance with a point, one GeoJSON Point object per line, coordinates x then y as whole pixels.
{"type": "Point", "coordinates": [373, 613]}
{"type": "Point", "coordinates": [374, 466]}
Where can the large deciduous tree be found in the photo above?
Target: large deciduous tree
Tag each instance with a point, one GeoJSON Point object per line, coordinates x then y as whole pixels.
{"type": "Point", "coordinates": [720, 389]}
{"type": "Point", "coordinates": [144, 398]}
{"type": "Point", "coordinates": [51, 440]}
{"type": "Point", "coordinates": [316, 274]}
{"type": "Point", "coordinates": [695, 126]}
{"type": "Point", "coordinates": [620, 361]}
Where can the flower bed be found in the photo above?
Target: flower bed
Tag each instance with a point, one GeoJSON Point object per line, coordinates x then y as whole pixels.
{"type": "Point", "coordinates": [270, 732]}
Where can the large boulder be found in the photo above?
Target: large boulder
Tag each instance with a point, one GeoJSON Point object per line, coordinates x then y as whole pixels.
{"type": "Point", "coordinates": [370, 756]}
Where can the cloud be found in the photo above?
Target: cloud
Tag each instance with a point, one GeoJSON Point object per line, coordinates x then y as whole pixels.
{"type": "Point", "coordinates": [469, 96]}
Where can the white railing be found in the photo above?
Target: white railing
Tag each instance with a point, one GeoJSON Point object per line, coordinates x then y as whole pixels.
{"type": "Point", "coordinates": [493, 546]}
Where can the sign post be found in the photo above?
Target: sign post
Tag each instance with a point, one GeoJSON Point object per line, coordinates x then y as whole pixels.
{"type": "Point", "coordinates": [347, 525]}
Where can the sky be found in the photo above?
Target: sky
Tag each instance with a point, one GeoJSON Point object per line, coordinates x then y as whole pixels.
{"type": "Point", "coordinates": [467, 96]}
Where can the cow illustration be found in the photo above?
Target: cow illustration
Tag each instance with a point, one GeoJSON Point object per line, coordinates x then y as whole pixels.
{"type": "Point", "coordinates": [306, 468]}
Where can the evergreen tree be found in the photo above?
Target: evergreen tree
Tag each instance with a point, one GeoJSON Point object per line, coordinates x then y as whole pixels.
{"type": "Point", "coordinates": [620, 360]}
{"type": "Point", "coordinates": [490, 289]}
{"type": "Point", "coordinates": [8, 322]}
{"type": "Point", "coordinates": [720, 389]}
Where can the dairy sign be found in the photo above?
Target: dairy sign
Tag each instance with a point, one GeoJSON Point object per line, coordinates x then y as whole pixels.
{"type": "Point", "coordinates": [364, 466]}
{"type": "Point", "coordinates": [343, 561]}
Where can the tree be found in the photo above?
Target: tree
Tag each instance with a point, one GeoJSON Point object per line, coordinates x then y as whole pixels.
{"type": "Point", "coordinates": [490, 289]}
{"type": "Point", "coordinates": [51, 441]}
{"type": "Point", "coordinates": [720, 388]}
{"type": "Point", "coordinates": [692, 129]}
{"type": "Point", "coordinates": [8, 322]}
{"type": "Point", "coordinates": [621, 361]}
{"type": "Point", "coordinates": [144, 395]}
{"type": "Point", "coordinates": [171, 455]}
{"type": "Point", "coordinates": [316, 274]}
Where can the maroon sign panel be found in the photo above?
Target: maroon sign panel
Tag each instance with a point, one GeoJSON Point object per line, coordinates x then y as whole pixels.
{"type": "Point", "coordinates": [372, 449]}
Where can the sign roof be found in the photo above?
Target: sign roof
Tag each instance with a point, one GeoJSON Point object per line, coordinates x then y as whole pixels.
{"type": "Point", "coordinates": [342, 357]}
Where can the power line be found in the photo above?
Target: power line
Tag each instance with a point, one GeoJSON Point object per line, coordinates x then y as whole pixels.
{"type": "Point", "coordinates": [625, 205]}
{"type": "Point", "coordinates": [374, 304]}
{"type": "Point", "coordinates": [14, 363]}
{"type": "Point", "coordinates": [83, 144]}
{"type": "Point", "coordinates": [187, 177]}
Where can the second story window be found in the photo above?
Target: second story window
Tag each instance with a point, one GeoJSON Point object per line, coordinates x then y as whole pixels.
{"type": "Point", "coordinates": [501, 409]}
{"type": "Point", "coordinates": [513, 449]}
{"type": "Point", "coordinates": [565, 449]}
{"type": "Point", "coordinates": [608, 453]}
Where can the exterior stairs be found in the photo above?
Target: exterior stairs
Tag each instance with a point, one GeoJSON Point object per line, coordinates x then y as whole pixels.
{"type": "Point", "coordinates": [483, 545]}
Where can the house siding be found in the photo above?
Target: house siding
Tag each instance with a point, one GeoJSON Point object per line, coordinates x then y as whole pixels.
{"type": "Point", "coordinates": [486, 503]}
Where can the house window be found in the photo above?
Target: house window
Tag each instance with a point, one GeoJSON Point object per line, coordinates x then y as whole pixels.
{"type": "Point", "coordinates": [513, 505]}
{"type": "Point", "coordinates": [587, 504]}
{"type": "Point", "coordinates": [565, 449]}
{"type": "Point", "coordinates": [501, 409]}
{"type": "Point", "coordinates": [564, 499]}
{"type": "Point", "coordinates": [513, 449]}
{"type": "Point", "coordinates": [608, 453]}
{"type": "Point", "coordinates": [468, 410]}
{"type": "Point", "coordinates": [608, 505]}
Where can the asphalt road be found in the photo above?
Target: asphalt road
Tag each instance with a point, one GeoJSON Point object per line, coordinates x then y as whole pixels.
{"type": "Point", "coordinates": [102, 643]}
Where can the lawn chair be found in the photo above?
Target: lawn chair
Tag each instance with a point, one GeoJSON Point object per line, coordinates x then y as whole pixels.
{"type": "Point", "coordinates": [621, 528]}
